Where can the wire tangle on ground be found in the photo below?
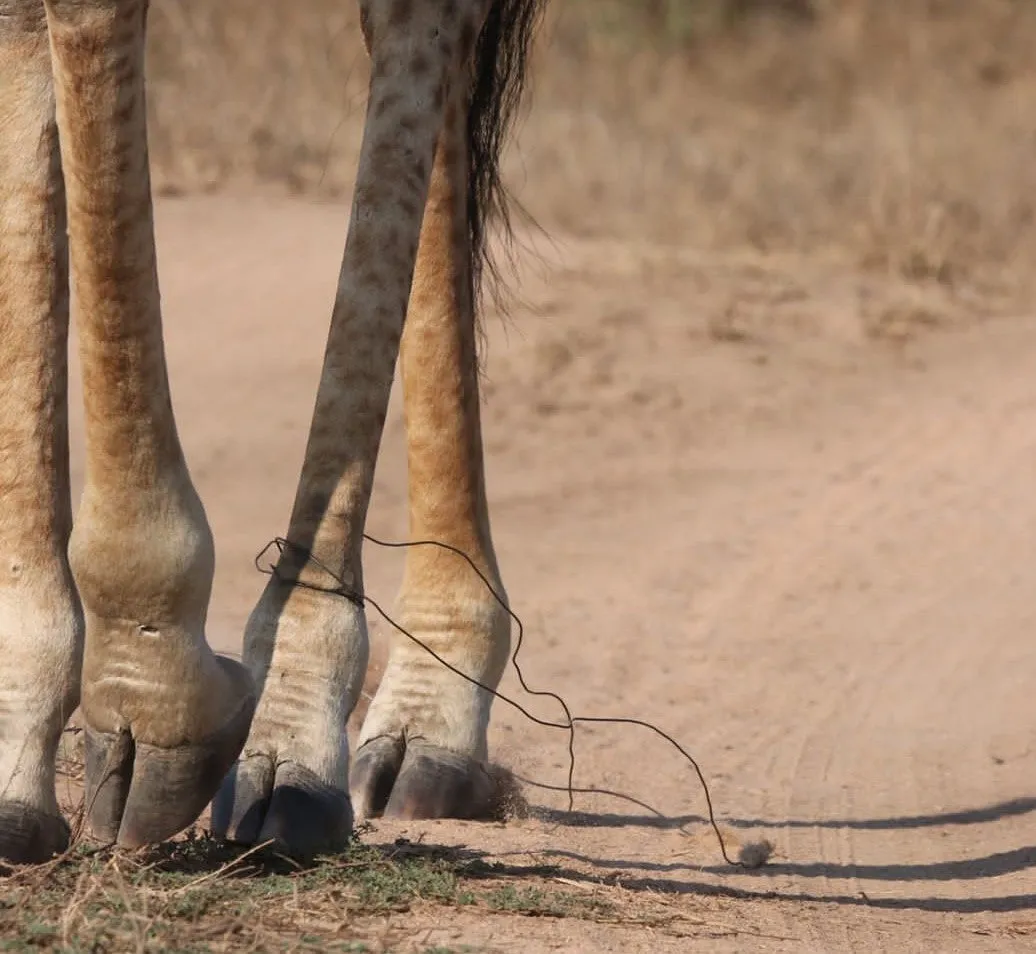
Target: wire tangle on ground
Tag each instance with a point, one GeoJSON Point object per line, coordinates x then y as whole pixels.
{"type": "Point", "coordinates": [281, 544]}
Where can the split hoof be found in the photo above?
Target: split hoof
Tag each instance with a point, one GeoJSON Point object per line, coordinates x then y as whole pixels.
{"type": "Point", "coordinates": [420, 780]}
{"type": "Point", "coordinates": [287, 804]}
{"type": "Point", "coordinates": [139, 794]}
{"type": "Point", "coordinates": [29, 835]}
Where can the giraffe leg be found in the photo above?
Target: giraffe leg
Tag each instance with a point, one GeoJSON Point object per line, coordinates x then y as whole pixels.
{"type": "Point", "coordinates": [307, 649]}
{"type": "Point", "coordinates": [164, 717]}
{"type": "Point", "coordinates": [422, 749]}
{"type": "Point", "coordinates": [40, 623]}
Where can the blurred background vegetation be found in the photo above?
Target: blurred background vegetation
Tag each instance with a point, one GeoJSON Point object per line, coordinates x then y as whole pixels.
{"type": "Point", "coordinates": [898, 135]}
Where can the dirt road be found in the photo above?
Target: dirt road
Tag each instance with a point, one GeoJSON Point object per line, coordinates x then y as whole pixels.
{"type": "Point", "coordinates": [721, 506]}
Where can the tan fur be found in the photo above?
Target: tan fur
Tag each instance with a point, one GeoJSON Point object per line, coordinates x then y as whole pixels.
{"type": "Point", "coordinates": [442, 600]}
{"type": "Point", "coordinates": [141, 551]}
{"type": "Point", "coordinates": [40, 623]}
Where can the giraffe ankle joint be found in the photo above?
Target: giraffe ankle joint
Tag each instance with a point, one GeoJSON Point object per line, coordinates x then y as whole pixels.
{"type": "Point", "coordinates": [158, 570]}
{"type": "Point", "coordinates": [471, 632]}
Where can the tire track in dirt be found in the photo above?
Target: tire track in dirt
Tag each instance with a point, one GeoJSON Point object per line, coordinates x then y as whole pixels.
{"type": "Point", "coordinates": [945, 456]}
{"type": "Point", "coordinates": [793, 746]}
{"type": "Point", "coordinates": [837, 592]}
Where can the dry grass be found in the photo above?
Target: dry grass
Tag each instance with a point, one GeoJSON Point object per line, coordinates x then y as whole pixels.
{"type": "Point", "coordinates": [196, 894]}
{"type": "Point", "coordinates": [878, 131]}
{"type": "Point", "coordinates": [898, 135]}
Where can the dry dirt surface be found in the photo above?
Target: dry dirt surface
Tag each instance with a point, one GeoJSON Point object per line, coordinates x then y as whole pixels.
{"type": "Point", "coordinates": [758, 501]}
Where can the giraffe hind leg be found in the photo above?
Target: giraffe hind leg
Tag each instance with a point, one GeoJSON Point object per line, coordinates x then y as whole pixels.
{"type": "Point", "coordinates": [423, 745]}
{"type": "Point", "coordinates": [422, 750]}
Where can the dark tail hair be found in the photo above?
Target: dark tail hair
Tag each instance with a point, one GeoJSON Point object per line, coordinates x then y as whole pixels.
{"type": "Point", "coordinates": [501, 62]}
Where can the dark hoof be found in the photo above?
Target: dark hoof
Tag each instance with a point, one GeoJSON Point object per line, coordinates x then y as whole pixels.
{"type": "Point", "coordinates": [302, 815]}
{"type": "Point", "coordinates": [29, 836]}
{"type": "Point", "coordinates": [139, 794]}
{"type": "Point", "coordinates": [422, 781]}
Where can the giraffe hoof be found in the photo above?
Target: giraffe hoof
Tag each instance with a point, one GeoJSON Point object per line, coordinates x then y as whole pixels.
{"type": "Point", "coordinates": [28, 835]}
{"type": "Point", "coordinates": [287, 804]}
{"type": "Point", "coordinates": [420, 780]}
{"type": "Point", "coordinates": [139, 794]}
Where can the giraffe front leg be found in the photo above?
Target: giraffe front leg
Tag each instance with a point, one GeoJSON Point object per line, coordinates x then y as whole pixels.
{"type": "Point", "coordinates": [41, 627]}
{"type": "Point", "coordinates": [164, 717]}
{"type": "Point", "coordinates": [307, 649]}
{"type": "Point", "coordinates": [422, 750]}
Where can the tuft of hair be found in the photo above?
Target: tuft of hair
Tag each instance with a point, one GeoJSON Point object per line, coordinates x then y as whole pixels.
{"type": "Point", "coordinates": [755, 854]}
{"type": "Point", "coordinates": [499, 79]}
{"type": "Point", "coordinates": [506, 800]}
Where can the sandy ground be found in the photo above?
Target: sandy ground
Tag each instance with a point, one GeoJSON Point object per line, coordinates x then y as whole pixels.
{"type": "Point", "coordinates": [723, 504]}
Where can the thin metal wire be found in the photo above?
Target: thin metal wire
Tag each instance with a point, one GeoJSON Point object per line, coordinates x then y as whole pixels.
{"type": "Point", "coordinates": [281, 544]}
